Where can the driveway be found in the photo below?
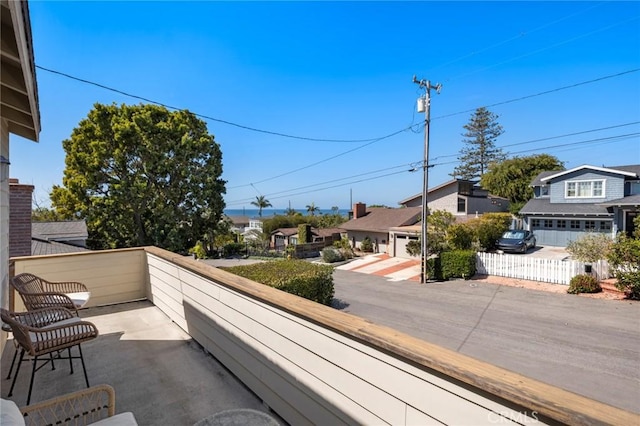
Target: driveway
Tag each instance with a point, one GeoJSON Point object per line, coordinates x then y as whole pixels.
{"type": "Point", "coordinates": [587, 346]}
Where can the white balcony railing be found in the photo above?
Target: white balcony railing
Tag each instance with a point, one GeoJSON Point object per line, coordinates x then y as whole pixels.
{"type": "Point", "coordinates": [313, 364]}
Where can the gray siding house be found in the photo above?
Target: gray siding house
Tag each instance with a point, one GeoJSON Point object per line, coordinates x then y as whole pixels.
{"type": "Point", "coordinates": [460, 198]}
{"type": "Point", "coordinates": [569, 203]}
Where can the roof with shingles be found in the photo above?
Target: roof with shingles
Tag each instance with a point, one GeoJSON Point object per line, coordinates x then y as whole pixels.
{"type": "Point", "coordinates": [380, 219]}
{"type": "Point", "coordinates": [541, 206]}
{"type": "Point", "coordinates": [42, 247]}
{"type": "Point", "coordinates": [537, 181]}
{"type": "Point", "coordinates": [60, 231]}
{"type": "Point", "coordinates": [631, 200]}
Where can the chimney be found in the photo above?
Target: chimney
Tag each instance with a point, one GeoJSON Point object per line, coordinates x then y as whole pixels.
{"type": "Point", "coordinates": [20, 197]}
{"type": "Point", "coordinates": [359, 210]}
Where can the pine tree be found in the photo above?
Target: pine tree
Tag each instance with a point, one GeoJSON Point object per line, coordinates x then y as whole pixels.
{"type": "Point", "coordinates": [479, 150]}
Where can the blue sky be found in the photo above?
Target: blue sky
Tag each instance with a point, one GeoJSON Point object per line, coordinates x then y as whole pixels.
{"type": "Point", "coordinates": [343, 71]}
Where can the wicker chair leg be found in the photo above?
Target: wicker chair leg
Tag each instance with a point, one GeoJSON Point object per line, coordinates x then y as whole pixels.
{"type": "Point", "coordinates": [13, 362]}
{"type": "Point", "coordinates": [70, 360]}
{"type": "Point", "coordinates": [86, 378]}
{"type": "Point", "coordinates": [13, 383]}
{"type": "Point", "coordinates": [53, 367]}
{"type": "Point", "coordinates": [33, 375]}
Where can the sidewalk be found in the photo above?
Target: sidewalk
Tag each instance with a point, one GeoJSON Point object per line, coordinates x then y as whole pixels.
{"type": "Point", "coordinates": [382, 265]}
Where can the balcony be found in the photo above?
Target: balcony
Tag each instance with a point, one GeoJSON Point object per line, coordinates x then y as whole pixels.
{"type": "Point", "coordinates": [159, 315]}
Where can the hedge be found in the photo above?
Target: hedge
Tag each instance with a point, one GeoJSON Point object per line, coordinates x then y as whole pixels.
{"type": "Point", "coordinates": [458, 264]}
{"type": "Point", "coordinates": [295, 276]}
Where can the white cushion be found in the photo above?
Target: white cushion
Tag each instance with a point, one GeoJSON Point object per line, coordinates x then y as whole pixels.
{"type": "Point", "coordinates": [10, 414]}
{"type": "Point", "coordinates": [68, 321]}
{"type": "Point", "coordinates": [80, 298]}
{"type": "Point", "coordinates": [122, 419]}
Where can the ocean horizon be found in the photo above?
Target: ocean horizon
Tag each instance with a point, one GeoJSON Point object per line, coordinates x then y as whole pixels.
{"type": "Point", "coordinates": [274, 212]}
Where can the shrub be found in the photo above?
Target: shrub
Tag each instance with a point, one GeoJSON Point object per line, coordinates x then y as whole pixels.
{"type": "Point", "coordinates": [331, 254]}
{"type": "Point", "coordinates": [299, 277]}
{"type": "Point", "coordinates": [414, 247]}
{"type": "Point", "coordinates": [458, 264]}
{"type": "Point", "coordinates": [584, 284]}
{"type": "Point", "coordinates": [624, 258]}
{"type": "Point", "coordinates": [232, 249]}
{"type": "Point", "coordinates": [366, 245]}
{"type": "Point", "coordinates": [460, 236]}
{"type": "Point", "coordinates": [345, 247]}
{"type": "Point", "coordinates": [591, 248]}
{"type": "Point", "coordinates": [489, 228]}
{"type": "Point", "coordinates": [198, 250]}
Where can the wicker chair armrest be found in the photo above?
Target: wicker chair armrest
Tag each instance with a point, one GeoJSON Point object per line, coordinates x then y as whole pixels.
{"type": "Point", "coordinates": [44, 316]}
{"type": "Point", "coordinates": [82, 407]}
{"type": "Point", "coordinates": [64, 287]}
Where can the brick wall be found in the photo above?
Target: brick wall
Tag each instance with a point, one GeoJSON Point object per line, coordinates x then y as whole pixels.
{"type": "Point", "coordinates": [20, 197]}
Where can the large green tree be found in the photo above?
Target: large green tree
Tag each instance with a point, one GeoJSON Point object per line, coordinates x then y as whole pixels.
{"type": "Point", "coordinates": [142, 175]}
{"type": "Point", "coordinates": [479, 150]}
{"type": "Point", "coordinates": [512, 178]}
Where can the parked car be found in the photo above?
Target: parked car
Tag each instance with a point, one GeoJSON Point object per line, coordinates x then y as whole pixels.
{"type": "Point", "coordinates": [516, 240]}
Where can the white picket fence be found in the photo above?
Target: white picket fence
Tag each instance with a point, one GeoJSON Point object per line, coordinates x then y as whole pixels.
{"type": "Point", "coordinates": [535, 269]}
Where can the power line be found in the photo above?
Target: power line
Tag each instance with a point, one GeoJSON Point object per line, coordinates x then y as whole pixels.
{"type": "Point", "coordinates": [513, 38]}
{"type": "Point", "coordinates": [547, 47]}
{"type": "Point", "coordinates": [553, 137]}
{"type": "Point", "coordinates": [369, 141]}
{"type": "Point", "coordinates": [410, 166]}
{"type": "Point", "coordinates": [313, 139]}
{"type": "Point", "coordinates": [571, 86]}
{"type": "Point", "coordinates": [329, 187]}
{"type": "Point", "coordinates": [218, 120]}
{"type": "Point", "coordinates": [590, 142]}
{"type": "Point", "coordinates": [609, 139]}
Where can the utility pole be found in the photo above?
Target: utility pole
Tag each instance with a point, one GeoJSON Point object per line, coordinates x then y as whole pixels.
{"type": "Point", "coordinates": [424, 105]}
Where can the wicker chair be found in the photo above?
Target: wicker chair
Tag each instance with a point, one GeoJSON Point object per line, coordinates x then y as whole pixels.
{"type": "Point", "coordinates": [37, 293]}
{"type": "Point", "coordinates": [66, 332]}
{"type": "Point", "coordinates": [78, 408]}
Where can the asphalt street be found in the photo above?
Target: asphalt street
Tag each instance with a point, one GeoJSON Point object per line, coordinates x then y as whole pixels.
{"type": "Point", "coordinates": [587, 346]}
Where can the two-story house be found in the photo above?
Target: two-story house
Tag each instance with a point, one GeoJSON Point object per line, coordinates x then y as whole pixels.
{"type": "Point", "coordinates": [569, 203]}
{"type": "Point", "coordinates": [460, 198]}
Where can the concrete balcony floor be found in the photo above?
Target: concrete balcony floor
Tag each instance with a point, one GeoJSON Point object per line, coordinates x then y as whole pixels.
{"type": "Point", "coordinates": [159, 373]}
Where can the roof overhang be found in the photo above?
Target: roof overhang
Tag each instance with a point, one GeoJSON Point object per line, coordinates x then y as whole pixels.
{"type": "Point", "coordinates": [18, 86]}
{"type": "Point", "coordinates": [600, 169]}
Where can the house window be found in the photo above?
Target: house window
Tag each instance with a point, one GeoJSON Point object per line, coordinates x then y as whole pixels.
{"type": "Point", "coordinates": [548, 223]}
{"type": "Point", "coordinates": [584, 189]}
{"type": "Point", "coordinates": [544, 191]}
{"type": "Point", "coordinates": [465, 188]}
{"type": "Point", "coordinates": [605, 225]}
{"type": "Point", "coordinates": [590, 225]}
{"type": "Point", "coordinates": [574, 224]}
{"type": "Point", "coordinates": [535, 223]}
{"type": "Point", "coordinates": [462, 205]}
{"type": "Point", "coordinates": [561, 224]}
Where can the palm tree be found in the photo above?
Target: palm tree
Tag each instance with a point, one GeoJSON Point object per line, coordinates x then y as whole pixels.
{"type": "Point", "coordinates": [312, 209]}
{"type": "Point", "coordinates": [261, 203]}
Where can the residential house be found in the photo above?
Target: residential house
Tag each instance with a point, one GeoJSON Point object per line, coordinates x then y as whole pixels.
{"type": "Point", "coordinates": [19, 115]}
{"type": "Point", "coordinates": [570, 203]}
{"type": "Point", "coordinates": [248, 227]}
{"type": "Point", "coordinates": [282, 237]}
{"type": "Point", "coordinates": [461, 198]}
{"type": "Point", "coordinates": [375, 223]}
